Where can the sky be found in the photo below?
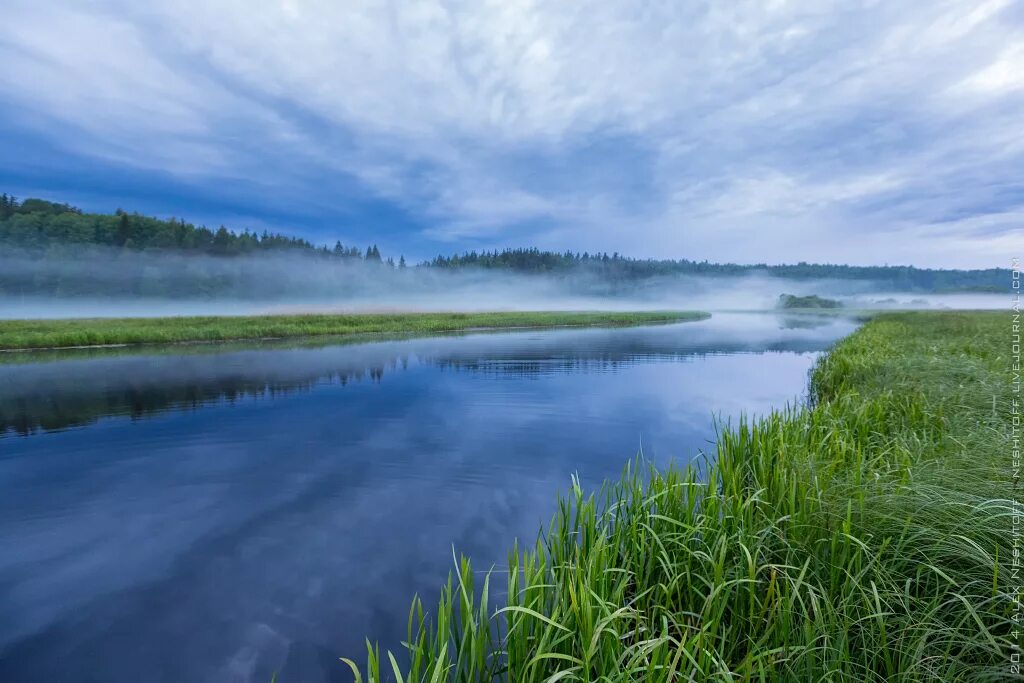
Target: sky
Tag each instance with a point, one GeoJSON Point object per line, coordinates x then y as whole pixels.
{"type": "Point", "coordinates": [864, 132]}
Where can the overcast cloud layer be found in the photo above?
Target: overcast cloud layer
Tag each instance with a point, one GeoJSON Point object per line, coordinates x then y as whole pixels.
{"type": "Point", "coordinates": [860, 132]}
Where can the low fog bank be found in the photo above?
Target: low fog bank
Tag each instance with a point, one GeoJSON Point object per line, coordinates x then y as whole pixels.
{"type": "Point", "coordinates": [101, 283]}
{"type": "Point", "coordinates": [903, 300]}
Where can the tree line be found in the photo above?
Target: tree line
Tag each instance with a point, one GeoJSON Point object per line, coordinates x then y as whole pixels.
{"type": "Point", "coordinates": [39, 226]}
{"type": "Point", "coordinates": [616, 267]}
{"type": "Point", "coordinates": [42, 227]}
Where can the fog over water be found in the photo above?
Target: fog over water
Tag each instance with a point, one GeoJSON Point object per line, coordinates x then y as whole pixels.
{"type": "Point", "coordinates": [100, 283]}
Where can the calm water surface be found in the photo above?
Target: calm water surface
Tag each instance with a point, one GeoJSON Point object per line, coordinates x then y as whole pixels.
{"type": "Point", "coordinates": [216, 514]}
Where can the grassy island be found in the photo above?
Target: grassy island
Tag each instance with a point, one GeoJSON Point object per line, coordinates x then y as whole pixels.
{"type": "Point", "coordinates": [42, 334]}
{"type": "Point", "coordinates": [865, 538]}
{"type": "Point", "coordinates": [790, 301]}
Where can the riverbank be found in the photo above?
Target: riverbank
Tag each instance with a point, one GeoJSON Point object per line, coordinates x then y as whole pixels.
{"type": "Point", "coordinates": [96, 332]}
{"type": "Point", "coordinates": [866, 538]}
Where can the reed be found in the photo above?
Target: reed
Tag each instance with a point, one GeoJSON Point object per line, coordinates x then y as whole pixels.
{"type": "Point", "coordinates": [863, 538]}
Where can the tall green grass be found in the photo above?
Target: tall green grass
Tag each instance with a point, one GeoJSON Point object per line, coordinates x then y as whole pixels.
{"type": "Point", "coordinates": [39, 334]}
{"type": "Point", "coordinates": [865, 538]}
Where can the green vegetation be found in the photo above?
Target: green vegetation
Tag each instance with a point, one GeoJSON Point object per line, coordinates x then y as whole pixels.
{"type": "Point", "coordinates": [40, 225]}
{"type": "Point", "coordinates": [789, 301]}
{"type": "Point", "coordinates": [38, 334]}
{"type": "Point", "coordinates": [48, 230]}
{"type": "Point", "coordinates": [621, 268]}
{"type": "Point", "coordinates": [863, 539]}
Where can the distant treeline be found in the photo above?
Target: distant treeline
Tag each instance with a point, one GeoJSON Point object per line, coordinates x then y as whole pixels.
{"type": "Point", "coordinates": [618, 267]}
{"type": "Point", "coordinates": [41, 228]}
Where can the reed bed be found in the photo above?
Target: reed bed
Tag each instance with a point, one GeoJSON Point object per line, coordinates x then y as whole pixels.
{"type": "Point", "coordinates": [863, 538]}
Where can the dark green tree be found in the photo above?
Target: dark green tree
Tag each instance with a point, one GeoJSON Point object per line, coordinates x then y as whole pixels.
{"type": "Point", "coordinates": [124, 228]}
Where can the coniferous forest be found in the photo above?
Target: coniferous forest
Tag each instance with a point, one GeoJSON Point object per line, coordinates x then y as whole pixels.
{"type": "Point", "coordinates": [36, 230]}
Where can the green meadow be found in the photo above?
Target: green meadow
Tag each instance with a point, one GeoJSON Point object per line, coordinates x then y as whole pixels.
{"type": "Point", "coordinates": [42, 334]}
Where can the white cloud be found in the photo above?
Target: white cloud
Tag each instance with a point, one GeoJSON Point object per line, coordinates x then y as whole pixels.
{"type": "Point", "coordinates": [1004, 74]}
{"type": "Point", "coordinates": [652, 128]}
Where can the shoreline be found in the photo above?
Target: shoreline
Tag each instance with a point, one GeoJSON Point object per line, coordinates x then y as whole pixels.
{"type": "Point", "coordinates": [30, 335]}
{"type": "Point", "coordinates": [862, 536]}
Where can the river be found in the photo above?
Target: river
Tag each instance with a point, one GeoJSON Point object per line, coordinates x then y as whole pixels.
{"type": "Point", "coordinates": [219, 513]}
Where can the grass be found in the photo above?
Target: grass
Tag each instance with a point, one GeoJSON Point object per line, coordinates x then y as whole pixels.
{"type": "Point", "coordinates": [45, 334]}
{"type": "Point", "coordinates": [865, 538]}
{"type": "Point", "coordinates": [810, 302]}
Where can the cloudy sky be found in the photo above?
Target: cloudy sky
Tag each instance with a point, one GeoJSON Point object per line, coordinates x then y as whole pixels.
{"type": "Point", "coordinates": [819, 130]}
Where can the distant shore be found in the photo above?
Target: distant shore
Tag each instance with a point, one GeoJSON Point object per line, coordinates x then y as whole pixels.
{"type": "Point", "coordinates": [32, 335]}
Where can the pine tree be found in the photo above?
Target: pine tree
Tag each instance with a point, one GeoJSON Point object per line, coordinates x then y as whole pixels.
{"type": "Point", "coordinates": [401, 263]}
{"type": "Point", "coordinates": [124, 229]}
{"type": "Point", "coordinates": [221, 240]}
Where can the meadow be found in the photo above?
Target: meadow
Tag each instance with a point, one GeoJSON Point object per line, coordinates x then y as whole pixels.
{"type": "Point", "coordinates": [865, 537]}
{"type": "Point", "coordinates": [72, 333]}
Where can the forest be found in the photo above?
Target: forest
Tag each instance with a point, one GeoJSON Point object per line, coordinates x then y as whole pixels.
{"type": "Point", "coordinates": [38, 229]}
{"type": "Point", "coordinates": [41, 226]}
{"type": "Point", "coordinates": [618, 267]}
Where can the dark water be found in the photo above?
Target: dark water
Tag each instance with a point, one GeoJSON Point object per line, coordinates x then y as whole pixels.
{"type": "Point", "coordinates": [216, 514]}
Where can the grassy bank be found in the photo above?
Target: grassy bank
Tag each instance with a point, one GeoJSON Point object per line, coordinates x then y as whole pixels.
{"type": "Point", "coordinates": [39, 334]}
{"type": "Point", "coordinates": [864, 539]}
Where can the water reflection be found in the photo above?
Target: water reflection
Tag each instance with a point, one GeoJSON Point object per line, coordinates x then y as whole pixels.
{"type": "Point", "coordinates": [138, 383]}
{"type": "Point", "coordinates": [222, 515]}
